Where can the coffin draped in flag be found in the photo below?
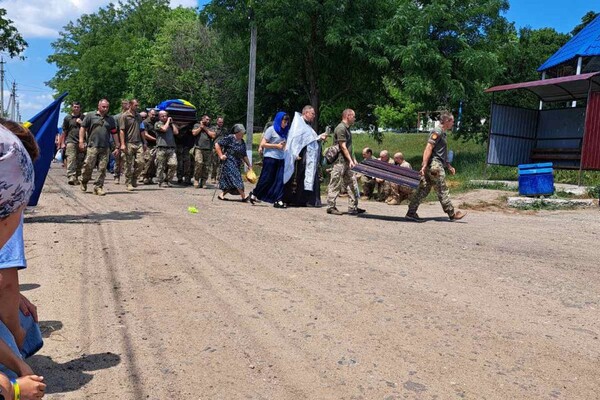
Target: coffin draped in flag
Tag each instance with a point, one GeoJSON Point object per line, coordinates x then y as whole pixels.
{"type": "Point", "coordinates": [44, 127]}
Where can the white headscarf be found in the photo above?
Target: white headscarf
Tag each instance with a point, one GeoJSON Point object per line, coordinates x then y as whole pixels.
{"type": "Point", "coordinates": [16, 173]}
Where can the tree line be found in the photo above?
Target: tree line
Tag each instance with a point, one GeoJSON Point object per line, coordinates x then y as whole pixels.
{"type": "Point", "coordinates": [387, 59]}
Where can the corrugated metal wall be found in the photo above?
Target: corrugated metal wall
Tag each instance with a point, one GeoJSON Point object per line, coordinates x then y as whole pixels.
{"type": "Point", "coordinates": [590, 156]}
{"type": "Point", "coordinates": [512, 136]}
{"type": "Point", "coordinates": [562, 128]}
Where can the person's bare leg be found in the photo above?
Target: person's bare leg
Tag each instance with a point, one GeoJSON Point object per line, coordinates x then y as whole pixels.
{"type": "Point", "coordinates": [9, 303]}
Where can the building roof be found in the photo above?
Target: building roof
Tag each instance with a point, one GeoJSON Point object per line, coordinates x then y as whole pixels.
{"type": "Point", "coordinates": [585, 44]}
{"type": "Point", "coordinates": [567, 88]}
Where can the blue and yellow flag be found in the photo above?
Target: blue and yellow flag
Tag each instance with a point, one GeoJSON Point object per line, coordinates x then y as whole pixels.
{"type": "Point", "coordinates": [44, 126]}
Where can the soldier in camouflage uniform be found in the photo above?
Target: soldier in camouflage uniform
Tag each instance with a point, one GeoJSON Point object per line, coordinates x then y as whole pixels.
{"type": "Point", "coordinates": [435, 159]}
{"type": "Point", "coordinates": [120, 155]}
{"type": "Point", "coordinates": [149, 171]}
{"type": "Point", "coordinates": [396, 194]}
{"type": "Point", "coordinates": [341, 174]}
{"type": "Point", "coordinates": [131, 132]}
{"type": "Point", "coordinates": [70, 135]}
{"type": "Point", "coordinates": [203, 148]}
{"type": "Point", "coordinates": [99, 126]}
{"type": "Point", "coordinates": [220, 131]}
{"type": "Point", "coordinates": [368, 183]}
{"type": "Point", "coordinates": [166, 158]}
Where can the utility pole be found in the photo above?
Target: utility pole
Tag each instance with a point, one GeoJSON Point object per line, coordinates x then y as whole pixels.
{"type": "Point", "coordinates": [18, 112]}
{"type": "Point", "coordinates": [13, 94]}
{"type": "Point", "coordinates": [2, 87]}
{"type": "Point", "coordinates": [251, 83]}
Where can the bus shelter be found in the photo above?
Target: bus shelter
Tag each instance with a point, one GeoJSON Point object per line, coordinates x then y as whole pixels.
{"type": "Point", "coordinates": [567, 136]}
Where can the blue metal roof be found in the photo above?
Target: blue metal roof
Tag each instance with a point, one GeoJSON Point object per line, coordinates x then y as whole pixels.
{"type": "Point", "coordinates": [585, 44]}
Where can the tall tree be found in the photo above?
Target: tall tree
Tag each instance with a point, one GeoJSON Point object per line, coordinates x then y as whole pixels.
{"type": "Point", "coordinates": [326, 53]}
{"type": "Point", "coordinates": [11, 40]}
{"type": "Point", "coordinates": [184, 61]}
{"type": "Point", "coordinates": [521, 57]}
{"type": "Point", "coordinates": [444, 52]}
{"type": "Point", "coordinates": [91, 53]}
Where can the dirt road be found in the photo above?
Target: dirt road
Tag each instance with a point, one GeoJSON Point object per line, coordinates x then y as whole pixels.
{"type": "Point", "coordinates": [140, 299]}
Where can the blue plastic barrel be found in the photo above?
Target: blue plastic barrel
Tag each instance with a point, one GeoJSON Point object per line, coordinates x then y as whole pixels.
{"type": "Point", "coordinates": [536, 179]}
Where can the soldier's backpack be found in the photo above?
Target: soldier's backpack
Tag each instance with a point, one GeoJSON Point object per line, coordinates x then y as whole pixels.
{"type": "Point", "coordinates": [332, 153]}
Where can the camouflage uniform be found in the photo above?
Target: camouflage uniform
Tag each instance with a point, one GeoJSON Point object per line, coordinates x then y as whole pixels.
{"type": "Point", "coordinates": [74, 156]}
{"type": "Point", "coordinates": [396, 194]}
{"type": "Point", "coordinates": [134, 156]}
{"type": "Point", "coordinates": [99, 130]}
{"type": "Point", "coordinates": [149, 171]}
{"type": "Point", "coordinates": [120, 158]}
{"type": "Point", "coordinates": [435, 176]}
{"type": "Point", "coordinates": [341, 176]}
{"type": "Point", "coordinates": [166, 164]}
{"type": "Point", "coordinates": [368, 186]}
{"type": "Point", "coordinates": [202, 156]}
{"type": "Point", "coordinates": [166, 158]}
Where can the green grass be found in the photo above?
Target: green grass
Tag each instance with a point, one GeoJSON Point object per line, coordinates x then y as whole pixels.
{"type": "Point", "coordinates": [469, 159]}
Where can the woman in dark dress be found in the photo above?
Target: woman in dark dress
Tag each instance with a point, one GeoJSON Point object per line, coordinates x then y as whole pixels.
{"type": "Point", "coordinates": [231, 150]}
{"type": "Point", "coordinates": [270, 185]}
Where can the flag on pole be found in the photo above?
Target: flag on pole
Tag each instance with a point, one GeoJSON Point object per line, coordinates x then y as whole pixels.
{"type": "Point", "coordinates": [44, 126]}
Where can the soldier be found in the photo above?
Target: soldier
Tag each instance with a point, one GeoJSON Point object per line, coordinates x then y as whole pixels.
{"type": "Point", "coordinates": [120, 157]}
{"type": "Point", "coordinates": [166, 159]}
{"type": "Point", "coordinates": [219, 131]}
{"type": "Point", "coordinates": [396, 194]}
{"type": "Point", "coordinates": [367, 181]}
{"type": "Point", "coordinates": [99, 126]}
{"type": "Point", "coordinates": [341, 174]}
{"type": "Point", "coordinates": [202, 150]}
{"type": "Point", "coordinates": [132, 134]}
{"type": "Point", "coordinates": [150, 154]}
{"type": "Point", "coordinates": [435, 159]}
{"type": "Point", "coordinates": [70, 135]}
{"type": "Point", "coordinates": [384, 156]}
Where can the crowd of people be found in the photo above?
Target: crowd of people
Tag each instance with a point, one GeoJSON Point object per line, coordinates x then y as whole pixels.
{"type": "Point", "coordinates": [144, 146]}
{"type": "Point", "coordinates": [147, 147]}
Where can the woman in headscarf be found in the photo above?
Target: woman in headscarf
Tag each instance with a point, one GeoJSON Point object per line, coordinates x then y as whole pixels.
{"type": "Point", "coordinates": [231, 150]}
{"type": "Point", "coordinates": [270, 184]}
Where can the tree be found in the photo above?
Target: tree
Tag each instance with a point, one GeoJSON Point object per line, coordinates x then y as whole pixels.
{"type": "Point", "coordinates": [11, 40]}
{"type": "Point", "coordinates": [91, 53]}
{"type": "Point", "coordinates": [521, 57]}
{"type": "Point", "coordinates": [326, 53]}
{"type": "Point", "coordinates": [585, 20]}
{"type": "Point", "coordinates": [444, 52]}
{"type": "Point", "coordinates": [184, 61]}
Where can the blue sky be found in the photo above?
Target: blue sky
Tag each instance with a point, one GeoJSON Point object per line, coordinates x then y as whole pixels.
{"type": "Point", "coordinates": [40, 28]}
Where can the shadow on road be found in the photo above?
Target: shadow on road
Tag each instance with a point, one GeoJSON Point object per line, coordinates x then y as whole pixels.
{"type": "Point", "coordinates": [49, 327]}
{"type": "Point", "coordinates": [71, 375]}
{"type": "Point", "coordinates": [28, 286]}
{"type": "Point", "coordinates": [89, 218]}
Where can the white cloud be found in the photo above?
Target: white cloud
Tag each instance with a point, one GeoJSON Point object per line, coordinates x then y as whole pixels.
{"type": "Point", "coordinates": [45, 18]}
{"type": "Point", "coordinates": [30, 103]}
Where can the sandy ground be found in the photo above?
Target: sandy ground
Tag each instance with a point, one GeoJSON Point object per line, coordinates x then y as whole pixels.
{"type": "Point", "coordinates": [140, 299]}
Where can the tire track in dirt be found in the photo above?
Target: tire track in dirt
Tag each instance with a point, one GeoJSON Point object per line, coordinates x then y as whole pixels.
{"type": "Point", "coordinates": [108, 263]}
